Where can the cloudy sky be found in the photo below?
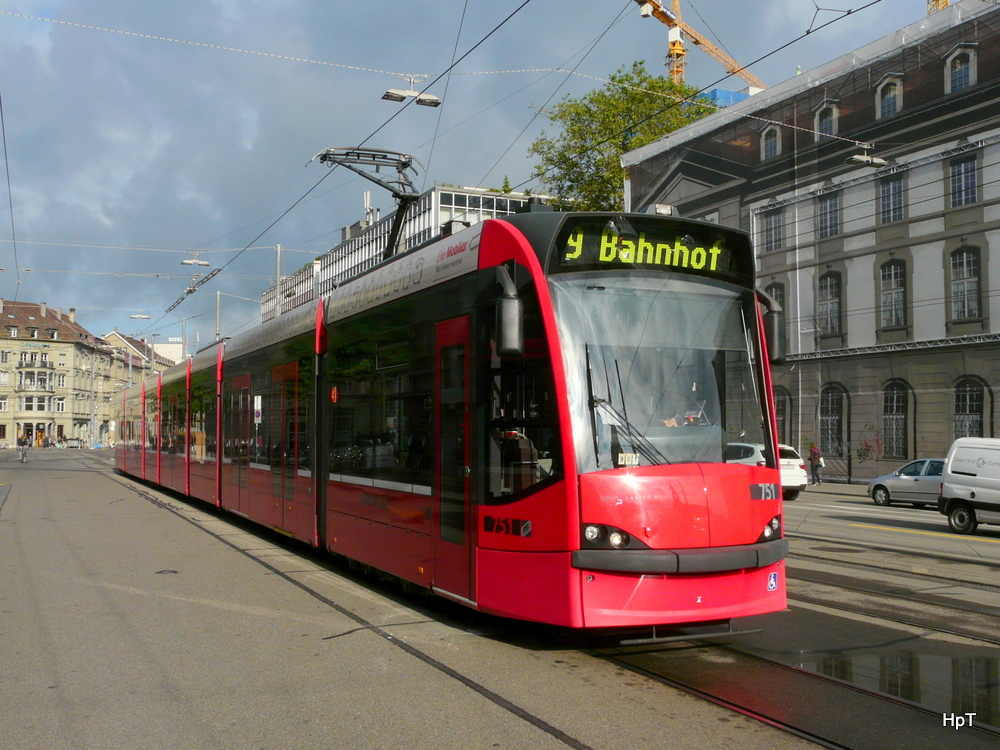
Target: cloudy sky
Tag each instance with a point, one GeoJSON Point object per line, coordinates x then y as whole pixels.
{"type": "Point", "coordinates": [139, 134]}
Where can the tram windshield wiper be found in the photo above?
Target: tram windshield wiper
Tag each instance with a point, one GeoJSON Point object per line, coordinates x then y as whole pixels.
{"type": "Point", "coordinates": [639, 442]}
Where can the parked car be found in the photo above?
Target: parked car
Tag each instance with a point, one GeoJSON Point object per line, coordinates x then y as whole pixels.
{"type": "Point", "coordinates": [917, 483]}
{"type": "Point", "coordinates": [793, 469]}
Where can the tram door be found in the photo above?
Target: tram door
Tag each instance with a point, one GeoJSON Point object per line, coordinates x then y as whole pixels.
{"type": "Point", "coordinates": [453, 543]}
{"type": "Point", "coordinates": [237, 441]}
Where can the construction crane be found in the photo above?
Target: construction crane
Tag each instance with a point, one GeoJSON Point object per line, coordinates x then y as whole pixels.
{"type": "Point", "coordinates": [679, 31]}
{"type": "Point", "coordinates": [933, 6]}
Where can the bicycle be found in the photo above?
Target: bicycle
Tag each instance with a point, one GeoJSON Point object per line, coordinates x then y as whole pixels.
{"type": "Point", "coordinates": [22, 454]}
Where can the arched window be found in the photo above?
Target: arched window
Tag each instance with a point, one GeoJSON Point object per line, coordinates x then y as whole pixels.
{"type": "Point", "coordinates": [832, 420]}
{"type": "Point", "coordinates": [960, 68]}
{"type": "Point", "coordinates": [893, 294]}
{"type": "Point", "coordinates": [888, 96]}
{"type": "Point", "coordinates": [895, 420]}
{"type": "Point", "coordinates": [960, 72]}
{"type": "Point", "coordinates": [825, 118]}
{"type": "Point", "coordinates": [828, 318]}
{"type": "Point", "coordinates": [783, 411]}
{"type": "Point", "coordinates": [965, 284]}
{"type": "Point", "coordinates": [970, 407]}
{"type": "Point", "coordinates": [770, 143]}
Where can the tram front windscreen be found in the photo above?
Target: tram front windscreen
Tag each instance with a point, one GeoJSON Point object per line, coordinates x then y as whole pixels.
{"type": "Point", "coordinates": [661, 368]}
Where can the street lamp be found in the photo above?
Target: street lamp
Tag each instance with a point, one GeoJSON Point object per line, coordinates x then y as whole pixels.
{"type": "Point", "coordinates": [399, 95]}
{"type": "Point", "coordinates": [139, 317]}
{"type": "Point", "coordinates": [194, 262]}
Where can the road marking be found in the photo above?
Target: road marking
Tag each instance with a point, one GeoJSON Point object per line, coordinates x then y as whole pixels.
{"type": "Point", "coordinates": [927, 533]}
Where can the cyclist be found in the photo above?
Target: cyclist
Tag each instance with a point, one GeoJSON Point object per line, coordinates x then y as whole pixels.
{"type": "Point", "coordinates": [22, 449]}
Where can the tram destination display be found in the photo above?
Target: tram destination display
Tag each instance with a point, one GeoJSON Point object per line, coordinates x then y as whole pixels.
{"type": "Point", "coordinates": [653, 244]}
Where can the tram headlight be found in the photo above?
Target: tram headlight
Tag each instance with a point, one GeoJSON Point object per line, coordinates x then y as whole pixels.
{"type": "Point", "coordinates": [772, 530]}
{"type": "Point", "coordinates": [593, 533]}
{"type": "Point", "coordinates": [618, 539]}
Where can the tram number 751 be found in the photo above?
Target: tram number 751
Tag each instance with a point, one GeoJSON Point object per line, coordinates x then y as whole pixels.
{"type": "Point", "coordinates": [765, 491]}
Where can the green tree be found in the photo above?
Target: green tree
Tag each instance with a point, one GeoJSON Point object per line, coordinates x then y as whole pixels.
{"type": "Point", "coordinates": [582, 164]}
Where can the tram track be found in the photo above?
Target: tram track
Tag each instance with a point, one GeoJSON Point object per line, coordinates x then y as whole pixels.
{"type": "Point", "coordinates": [725, 674]}
{"type": "Point", "coordinates": [880, 721]}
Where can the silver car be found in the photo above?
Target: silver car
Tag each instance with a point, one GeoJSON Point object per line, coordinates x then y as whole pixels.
{"type": "Point", "coordinates": [917, 483]}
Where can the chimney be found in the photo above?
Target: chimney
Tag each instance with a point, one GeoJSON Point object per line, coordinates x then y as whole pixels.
{"type": "Point", "coordinates": [42, 309]}
{"type": "Point", "coordinates": [72, 315]}
{"type": "Point", "coordinates": [1, 305]}
{"type": "Point", "coordinates": [58, 313]}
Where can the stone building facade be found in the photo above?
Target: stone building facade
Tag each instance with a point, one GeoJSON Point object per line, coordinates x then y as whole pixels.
{"type": "Point", "coordinates": [871, 186]}
{"type": "Point", "coordinates": [57, 380]}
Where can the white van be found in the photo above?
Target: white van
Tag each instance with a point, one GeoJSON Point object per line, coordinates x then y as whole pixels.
{"type": "Point", "coordinates": [970, 484]}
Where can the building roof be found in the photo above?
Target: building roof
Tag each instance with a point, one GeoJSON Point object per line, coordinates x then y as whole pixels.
{"type": "Point", "coordinates": [952, 16]}
{"type": "Point", "coordinates": [32, 315]}
{"type": "Point", "coordinates": [139, 347]}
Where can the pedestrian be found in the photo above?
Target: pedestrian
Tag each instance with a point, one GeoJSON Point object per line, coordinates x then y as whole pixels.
{"type": "Point", "coordinates": [815, 462]}
{"type": "Point", "coordinates": [22, 449]}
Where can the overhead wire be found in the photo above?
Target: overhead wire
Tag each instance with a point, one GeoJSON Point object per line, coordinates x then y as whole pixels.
{"type": "Point", "coordinates": [555, 91]}
{"type": "Point", "coordinates": [448, 71]}
{"type": "Point", "coordinates": [617, 134]}
{"type": "Point", "coordinates": [10, 197]}
{"type": "Point", "coordinates": [217, 271]}
{"type": "Point", "coordinates": [444, 96]}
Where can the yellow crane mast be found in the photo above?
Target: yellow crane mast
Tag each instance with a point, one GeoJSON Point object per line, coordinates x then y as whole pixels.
{"type": "Point", "coordinates": [679, 30]}
{"type": "Point", "coordinates": [933, 6]}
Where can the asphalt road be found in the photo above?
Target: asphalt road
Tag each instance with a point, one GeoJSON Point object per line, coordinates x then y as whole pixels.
{"type": "Point", "coordinates": [130, 619]}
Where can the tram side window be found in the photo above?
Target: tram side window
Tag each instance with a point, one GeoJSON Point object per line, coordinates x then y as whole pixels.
{"type": "Point", "coordinates": [202, 421]}
{"type": "Point", "coordinates": [381, 417]}
{"type": "Point", "coordinates": [523, 448]}
{"type": "Point", "coordinates": [261, 437]}
{"type": "Point", "coordinates": [151, 424]}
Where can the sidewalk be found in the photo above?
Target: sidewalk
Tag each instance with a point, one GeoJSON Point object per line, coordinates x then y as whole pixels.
{"type": "Point", "coordinates": [840, 488]}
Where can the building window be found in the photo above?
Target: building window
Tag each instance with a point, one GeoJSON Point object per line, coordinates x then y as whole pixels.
{"type": "Point", "coordinates": [969, 408]}
{"type": "Point", "coordinates": [829, 215]}
{"type": "Point", "coordinates": [61, 380]}
{"type": "Point", "coordinates": [895, 406]}
{"type": "Point", "coordinates": [960, 71]}
{"type": "Point", "coordinates": [965, 284]}
{"type": "Point", "coordinates": [891, 199]}
{"type": "Point", "coordinates": [12, 331]}
{"type": "Point", "coordinates": [888, 97]}
{"type": "Point", "coordinates": [963, 182]}
{"type": "Point", "coordinates": [960, 68]}
{"type": "Point", "coordinates": [829, 304]}
{"type": "Point", "coordinates": [783, 413]}
{"type": "Point", "coordinates": [4, 357]}
{"type": "Point", "coordinates": [831, 421]}
{"type": "Point", "coordinates": [772, 231]}
{"type": "Point", "coordinates": [777, 292]}
{"type": "Point", "coordinates": [770, 143]}
{"type": "Point", "coordinates": [825, 121]}
{"type": "Point", "coordinates": [33, 333]}
{"type": "Point", "coordinates": [60, 404]}
{"type": "Point", "coordinates": [893, 291]}
{"type": "Point", "coordinates": [3, 403]}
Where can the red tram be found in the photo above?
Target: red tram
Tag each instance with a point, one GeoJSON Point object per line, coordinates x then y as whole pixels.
{"type": "Point", "coordinates": [529, 417]}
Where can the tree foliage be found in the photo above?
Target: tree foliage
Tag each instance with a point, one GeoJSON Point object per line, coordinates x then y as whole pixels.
{"type": "Point", "coordinates": [582, 164]}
